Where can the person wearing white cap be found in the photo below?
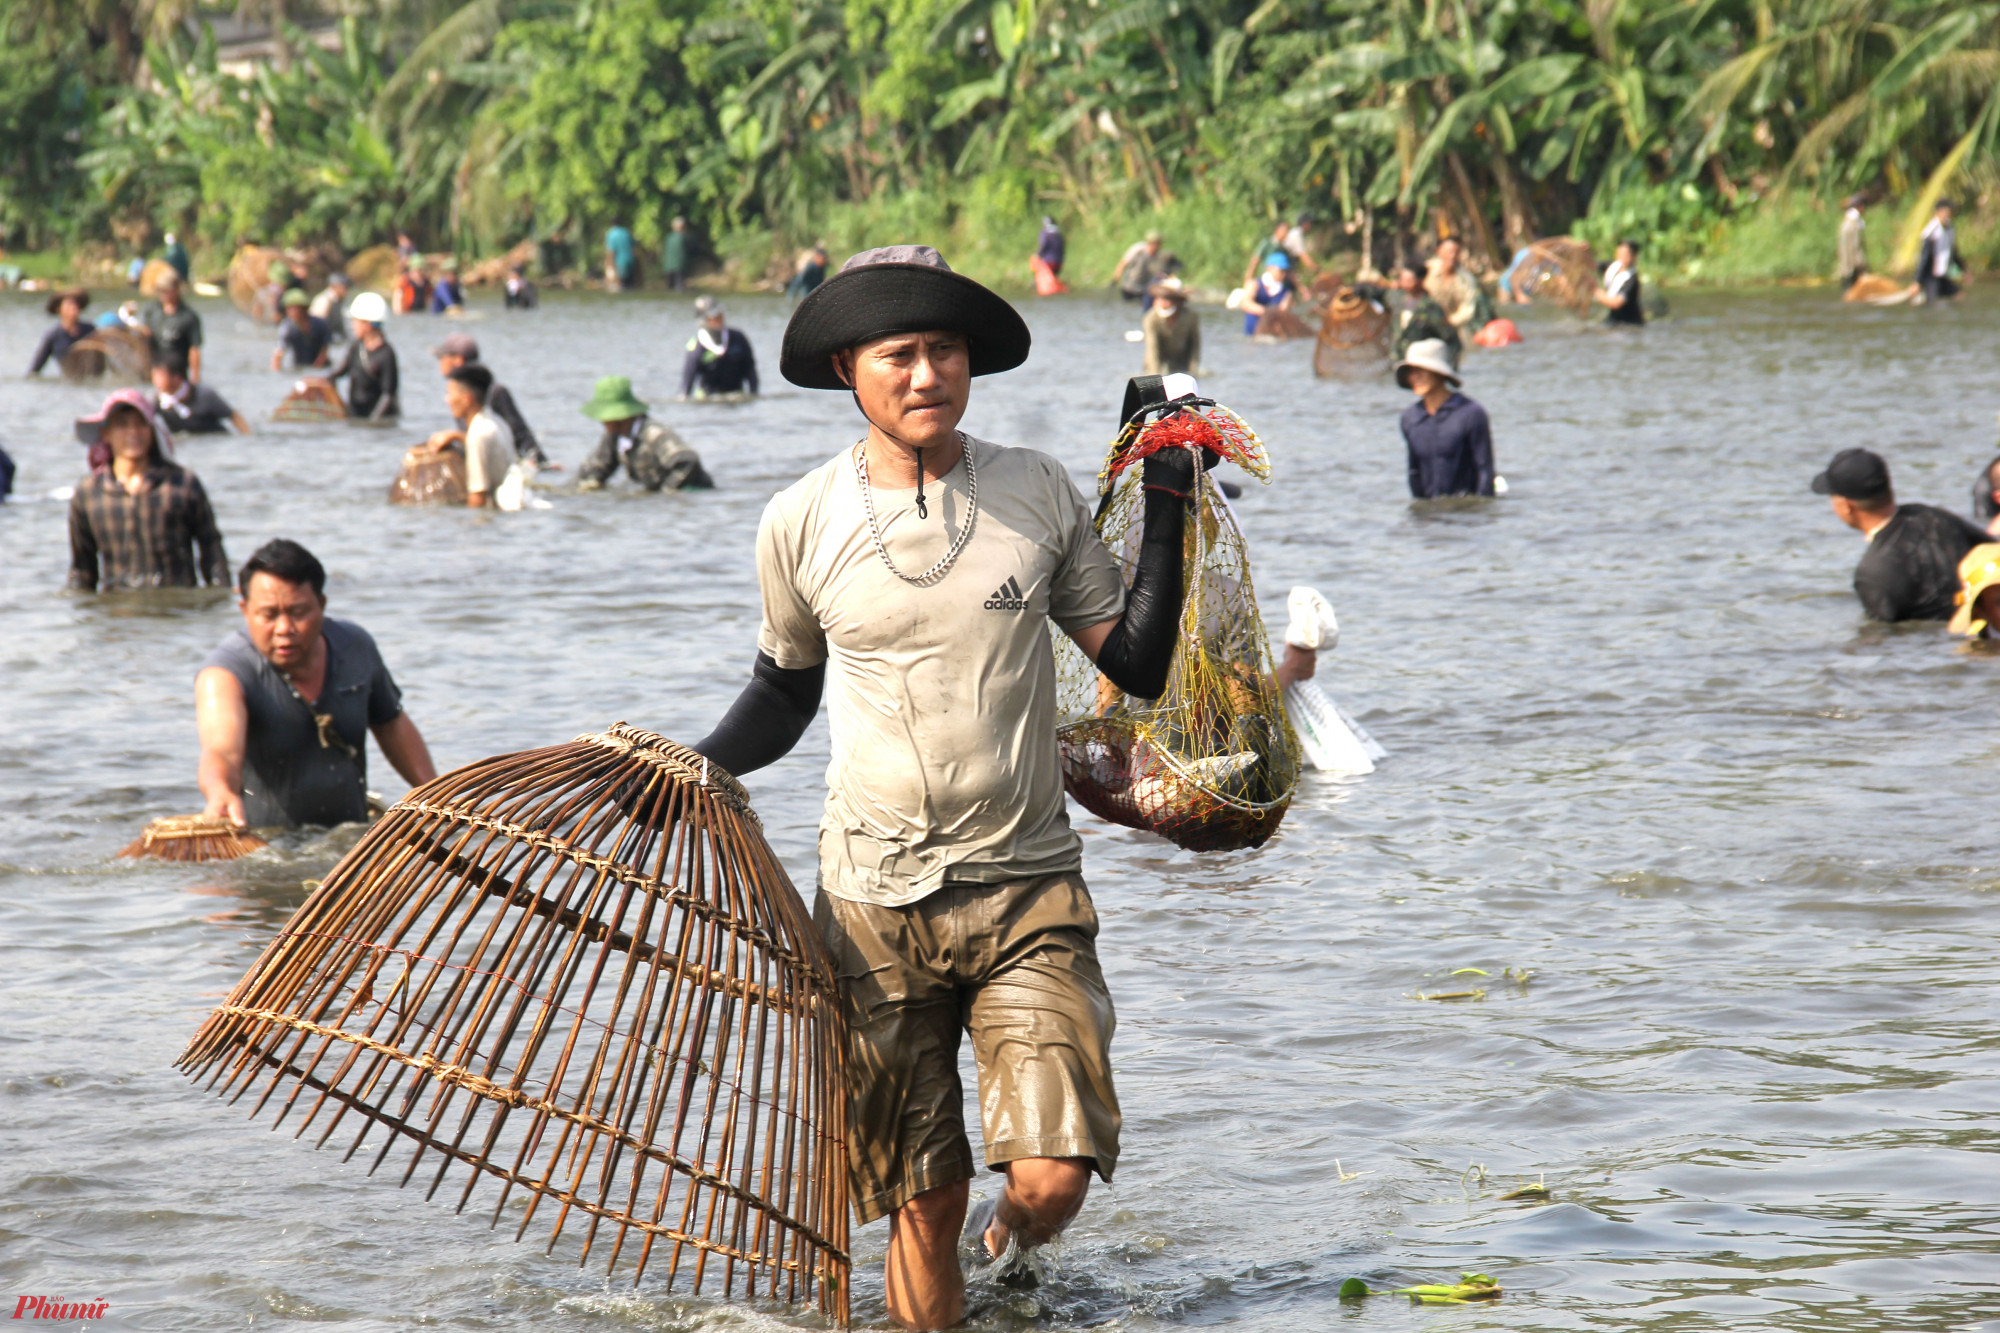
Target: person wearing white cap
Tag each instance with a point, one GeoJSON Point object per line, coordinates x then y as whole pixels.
{"type": "Point", "coordinates": [719, 358]}
{"type": "Point", "coordinates": [370, 364]}
{"type": "Point", "coordinates": [1449, 440]}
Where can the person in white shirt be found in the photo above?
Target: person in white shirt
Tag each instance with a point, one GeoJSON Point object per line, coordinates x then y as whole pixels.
{"type": "Point", "coordinates": [1853, 243]}
{"type": "Point", "coordinates": [1620, 293]}
{"type": "Point", "coordinates": [488, 443]}
{"type": "Point", "coordinates": [1937, 259]}
{"type": "Point", "coordinates": [331, 306]}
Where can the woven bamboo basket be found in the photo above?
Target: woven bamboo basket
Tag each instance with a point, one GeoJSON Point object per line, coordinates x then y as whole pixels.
{"type": "Point", "coordinates": [1560, 270]}
{"type": "Point", "coordinates": [114, 351]}
{"type": "Point", "coordinates": [429, 479]}
{"type": "Point", "coordinates": [1353, 334]}
{"type": "Point", "coordinates": [311, 400]}
{"type": "Point", "coordinates": [192, 838]}
{"type": "Point", "coordinates": [374, 269]}
{"type": "Point", "coordinates": [580, 975]}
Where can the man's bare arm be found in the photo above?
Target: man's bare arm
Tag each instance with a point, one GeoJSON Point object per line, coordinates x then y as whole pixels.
{"type": "Point", "coordinates": [403, 746]}
{"type": "Point", "coordinates": [222, 722]}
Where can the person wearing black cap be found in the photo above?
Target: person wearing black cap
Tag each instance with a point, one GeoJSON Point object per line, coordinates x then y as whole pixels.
{"type": "Point", "coordinates": [1911, 569]}
{"type": "Point", "coordinates": [925, 566]}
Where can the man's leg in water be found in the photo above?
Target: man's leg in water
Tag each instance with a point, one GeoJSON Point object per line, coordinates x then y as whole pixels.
{"type": "Point", "coordinates": [926, 1287]}
{"type": "Point", "coordinates": [1043, 1195]}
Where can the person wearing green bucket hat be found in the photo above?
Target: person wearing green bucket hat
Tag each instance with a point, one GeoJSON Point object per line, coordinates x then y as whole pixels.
{"type": "Point", "coordinates": [914, 578]}
{"type": "Point", "coordinates": [649, 451]}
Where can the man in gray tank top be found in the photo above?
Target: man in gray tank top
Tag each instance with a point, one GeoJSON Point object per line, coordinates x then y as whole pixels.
{"type": "Point", "coordinates": [285, 705]}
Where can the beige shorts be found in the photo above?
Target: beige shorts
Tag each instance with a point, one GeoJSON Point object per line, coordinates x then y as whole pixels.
{"type": "Point", "coordinates": [1014, 964]}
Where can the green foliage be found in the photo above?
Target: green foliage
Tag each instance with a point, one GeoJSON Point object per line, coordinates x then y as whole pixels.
{"type": "Point", "coordinates": [871, 120]}
{"type": "Point", "coordinates": [49, 99]}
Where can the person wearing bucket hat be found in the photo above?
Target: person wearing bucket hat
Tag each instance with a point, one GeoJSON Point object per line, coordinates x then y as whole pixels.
{"type": "Point", "coordinates": [913, 578]}
{"type": "Point", "coordinates": [1446, 434]}
{"type": "Point", "coordinates": [651, 453]}
{"type": "Point", "coordinates": [1143, 264]}
{"type": "Point", "coordinates": [1978, 614]}
{"type": "Point", "coordinates": [301, 333]}
{"type": "Point", "coordinates": [1172, 329]}
{"type": "Point", "coordinates": [369, 365]}
{"type": "Point", "coordinates": [69, 329]}
{"type": "Point", "coordinates": [1910, 570]}
{"type": "Point", "coordinates": [719, 358]}
{"type": "Point", "coordinates": [139, 520]}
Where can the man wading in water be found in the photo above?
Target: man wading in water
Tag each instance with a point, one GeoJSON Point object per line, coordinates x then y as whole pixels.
{"type": "Point", "coordinates": [950, 888]}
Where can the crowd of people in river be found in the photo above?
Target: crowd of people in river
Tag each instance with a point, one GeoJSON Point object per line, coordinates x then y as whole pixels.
{"type": "Point", "coordinates": [971, 909]}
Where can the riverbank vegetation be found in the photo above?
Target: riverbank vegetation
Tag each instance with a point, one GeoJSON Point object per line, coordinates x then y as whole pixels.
{"type": "Point", "coordinates": [1721, 131]}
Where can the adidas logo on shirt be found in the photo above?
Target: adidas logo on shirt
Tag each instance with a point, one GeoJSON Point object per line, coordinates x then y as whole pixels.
{"type": "Point", "coordinates": [1007, 597]}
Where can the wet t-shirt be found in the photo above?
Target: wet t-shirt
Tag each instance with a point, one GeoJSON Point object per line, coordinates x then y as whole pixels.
{"type": "Point", "coordinates": [941, 701]}
{"type": "Point", "coordinates": [294, 770]}
{"type": "Point", "coordinates": [1911, 569]}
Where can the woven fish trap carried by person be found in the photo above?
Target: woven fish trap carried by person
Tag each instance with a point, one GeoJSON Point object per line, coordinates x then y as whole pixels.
{"type": "Point", "coordinates": [1212, 763]}
{"type": "Point", "coordinates": [192, 838]}
{"type": "Point", "coordinates": [115, 351]}
{"type": "Point", "coordinates": [311, 400]}
{"type": "Point", "coordinates": [1353, 334]}
{"type": "Point", "coordinates": [579, 975]}
{"type": "Point", "coordinates": [428, 478]}
{"type": "Point", "coordinates": [1559, 270]}
{"type": "Point", "coordinates": [249, 272]}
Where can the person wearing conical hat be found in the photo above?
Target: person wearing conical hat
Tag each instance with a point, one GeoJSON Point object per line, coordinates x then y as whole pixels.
{"type": "Point", "coordinates": [69, 329]}
{"type": "Point", "coordinates": [650, 451]}
{"type": "Point", "coordinates": [915, 578]}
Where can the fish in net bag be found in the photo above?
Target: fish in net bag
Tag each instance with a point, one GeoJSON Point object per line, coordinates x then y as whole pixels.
{"type": "Point", "coordinates": [1212, 763]}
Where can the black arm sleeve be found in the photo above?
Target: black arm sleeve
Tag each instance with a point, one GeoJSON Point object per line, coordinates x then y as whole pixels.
{"type": "Point", "coordinates": [767, 719]}
{"type": "Point", "coordinates": [1140, 648]}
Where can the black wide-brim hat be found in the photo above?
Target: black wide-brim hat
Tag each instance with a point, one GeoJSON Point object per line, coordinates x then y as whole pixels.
{"type": "Point", "coordinates": [898, 289]}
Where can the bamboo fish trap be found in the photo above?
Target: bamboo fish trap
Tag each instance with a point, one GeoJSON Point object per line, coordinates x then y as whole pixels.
{"type": "Point", "coordinates": [311, 400]}
{"type": "Point", "coordinates": [578, 974]}
{"type": "Point", "coordinates": [1353, 334]}
{"type": "Point", "coordinates": [192, 838]}
{"type": "Point", "coordinates": [1212, 764]}
{"type": "Point", "coordinates": [115, 351]}
{"type": "Point", "coordinates": [1560, 270]}
{"type": "Point", "coordinates": [428, 478]}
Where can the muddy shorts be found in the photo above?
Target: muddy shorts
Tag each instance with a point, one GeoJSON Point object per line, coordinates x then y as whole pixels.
{"type": "Point", "coordinates": [1015, 965]}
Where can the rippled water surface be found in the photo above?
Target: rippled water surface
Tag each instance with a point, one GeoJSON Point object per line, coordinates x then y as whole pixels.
{"type": "Point", "coordinates": [1644, 748]}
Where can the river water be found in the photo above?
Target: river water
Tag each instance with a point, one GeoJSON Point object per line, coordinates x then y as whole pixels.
{"type": "Point", "coordinates": [1644, 748]}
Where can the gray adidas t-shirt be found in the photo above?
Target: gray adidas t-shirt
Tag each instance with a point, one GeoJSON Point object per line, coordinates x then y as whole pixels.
{"type": "Point", "coordinates": [291, 776]}
{"type": "Point", "coordinates": [941, 700]}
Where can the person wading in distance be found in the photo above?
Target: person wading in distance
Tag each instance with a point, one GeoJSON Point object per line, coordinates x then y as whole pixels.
{"type": "Point", "coordinates": [927, 565]}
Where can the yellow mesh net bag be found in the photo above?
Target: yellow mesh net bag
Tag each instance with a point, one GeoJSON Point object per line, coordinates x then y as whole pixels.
{"type": "Point", "coordinates": [1213, 762]}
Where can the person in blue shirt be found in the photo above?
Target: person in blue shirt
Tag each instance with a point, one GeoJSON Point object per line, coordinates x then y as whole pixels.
{"type": "Point", "coordinates": [1449, 440]}
{"type": "Point", "coordinates": [445, 292]}
{"type": "Point", "coordinates": [303, 334]}
{"type": "Point", "coordinates": [621, 264]}
{"type": "Point", "coordinates": [1272, 293]}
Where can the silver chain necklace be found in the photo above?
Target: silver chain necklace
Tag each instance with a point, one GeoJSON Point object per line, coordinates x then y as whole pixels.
{"type": "Point", "coordinates": [950, 557]}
